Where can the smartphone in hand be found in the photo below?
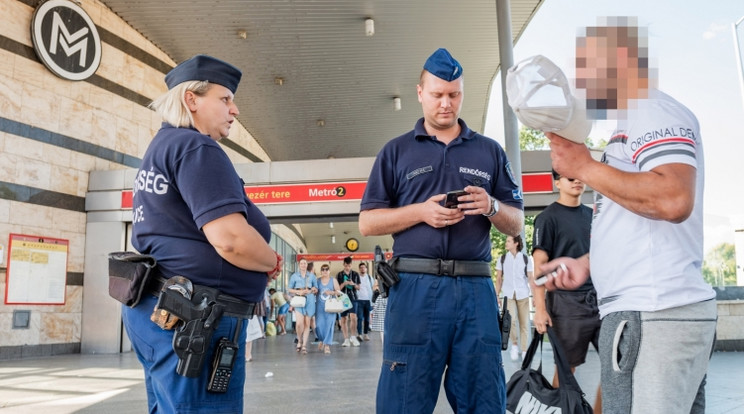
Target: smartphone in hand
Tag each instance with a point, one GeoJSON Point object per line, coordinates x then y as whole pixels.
{"type": "Point", "coordinates": [542, 279]}
{"type": "Point", "coordinates": [451, 200]}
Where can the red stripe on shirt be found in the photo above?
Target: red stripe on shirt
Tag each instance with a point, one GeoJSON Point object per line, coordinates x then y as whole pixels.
{"type": "Point", "coordinates": [660, 142]}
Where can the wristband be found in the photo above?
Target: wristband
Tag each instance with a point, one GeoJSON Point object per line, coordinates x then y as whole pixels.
{"type": "Point", "coordinates": [277, 267]}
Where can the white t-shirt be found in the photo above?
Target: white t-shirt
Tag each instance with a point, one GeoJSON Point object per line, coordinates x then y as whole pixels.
{"type": "Point", "coordinates": [513, 274]}
{"type": "Point", "coordinates": [639, 264]}
{"type": "Point", "coordinates": [365, 287]}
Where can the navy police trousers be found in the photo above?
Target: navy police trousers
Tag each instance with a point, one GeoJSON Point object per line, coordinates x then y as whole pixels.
{"type": "Point", "coordinates": [437, 325]}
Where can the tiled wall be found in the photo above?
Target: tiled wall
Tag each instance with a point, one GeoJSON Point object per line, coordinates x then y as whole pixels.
{"type": "Point", "coordinates": [53, 132]}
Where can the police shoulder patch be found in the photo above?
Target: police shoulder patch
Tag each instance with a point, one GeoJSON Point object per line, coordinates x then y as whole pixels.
{"type": "Point", "coordinates": [510, 173]}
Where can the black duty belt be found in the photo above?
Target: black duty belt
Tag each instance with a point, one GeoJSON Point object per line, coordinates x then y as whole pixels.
{"type": "Point", "coordinates": [233, 306]}
{"type": "Point", "coordinates": [441, 267]}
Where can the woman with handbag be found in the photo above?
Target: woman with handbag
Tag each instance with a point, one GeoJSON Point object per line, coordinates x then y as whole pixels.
{"type": "Point", "coordinates": [303, 284]}
{"type": "Point", "coordinates": [325, 321]}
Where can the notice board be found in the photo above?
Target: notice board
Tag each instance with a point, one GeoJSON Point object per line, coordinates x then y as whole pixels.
{"type": "Point", "coordinates": [37, 270]}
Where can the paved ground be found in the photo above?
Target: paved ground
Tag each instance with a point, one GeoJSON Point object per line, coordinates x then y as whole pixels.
{"type": "Point", "coordinates": [342, 382]}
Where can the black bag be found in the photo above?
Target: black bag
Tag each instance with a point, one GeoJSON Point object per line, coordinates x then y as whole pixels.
{"type": "Point", "coordinates": [129, 273]}
{"type": "Point", "coordinates": [529, 392]}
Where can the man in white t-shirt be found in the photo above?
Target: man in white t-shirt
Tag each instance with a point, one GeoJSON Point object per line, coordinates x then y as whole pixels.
{"type": "Point", "coordinates": [513, 271]}
{"type": "Point", "coordinates": [364, 302]}
{"type": "Point", "coordinates": [658, 314]}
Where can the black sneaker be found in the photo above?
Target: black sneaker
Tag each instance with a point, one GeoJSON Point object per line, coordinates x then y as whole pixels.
{"type": "Point", "coordinates": [295, 340]}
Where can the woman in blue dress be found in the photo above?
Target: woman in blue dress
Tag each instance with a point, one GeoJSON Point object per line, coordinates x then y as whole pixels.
{"type": "Point", "coordinates": [303, 283]}
{"type": "Point", "coordinates": [324, 321]}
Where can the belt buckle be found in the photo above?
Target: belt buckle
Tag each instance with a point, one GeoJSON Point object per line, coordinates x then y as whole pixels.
{"type": "Point", "coordinates": [447, 267]}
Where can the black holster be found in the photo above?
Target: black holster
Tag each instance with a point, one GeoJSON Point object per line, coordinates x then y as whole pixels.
{"type": "Point", "coordinates": [199, 316]}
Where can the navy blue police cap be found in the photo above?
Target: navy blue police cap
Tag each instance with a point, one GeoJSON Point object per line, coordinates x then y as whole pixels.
{"type": "Point", "coordinates": [442, 65]}
{"type": "Point", "coordinates": [205, 68]}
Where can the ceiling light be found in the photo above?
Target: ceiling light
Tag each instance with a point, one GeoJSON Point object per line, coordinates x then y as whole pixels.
{"type": "Point", "coordinates": [320, 123]}
{"type": "Point", "coordinates": [330, 224]}
{"type": "Point", "coordinates": [369, 27]}
{"type": "Point", "coordinates": [333, 239]}
{"type": "Point", "coordinates": [242, 34]}
{"type": "Point", "coordinates": [396, 104]}
{"type": "Point", "coordinates": [278, 81]}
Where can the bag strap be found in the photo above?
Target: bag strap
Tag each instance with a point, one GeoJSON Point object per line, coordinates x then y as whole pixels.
{"type": "Point", "coordinates": [537, 339]}
{"type": "Point", "coordinates": [565, 377]}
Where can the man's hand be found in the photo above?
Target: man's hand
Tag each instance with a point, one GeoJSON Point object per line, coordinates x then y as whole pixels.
{"type": "Point", "coordinates": [569, 158]}
{"type": "Point", "coordinates": [574, 275]}
{"type": "Point", "coordinates": [541, 320]}
{"type": "Point", "coordinates": [438, 216]}
{"type": "Point", "coordinates": [478, 201]}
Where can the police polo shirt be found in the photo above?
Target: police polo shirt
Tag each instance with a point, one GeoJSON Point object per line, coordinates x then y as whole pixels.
{"type": "Point", "coordinates": [186, 181]}
{"type": "Point", "coordinates": [415, 166]}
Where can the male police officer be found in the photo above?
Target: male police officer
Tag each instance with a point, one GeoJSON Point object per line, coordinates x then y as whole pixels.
{"type": "Point", "coordinates": [442, 255]}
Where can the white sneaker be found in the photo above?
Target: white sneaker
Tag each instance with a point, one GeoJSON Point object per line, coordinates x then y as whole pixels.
{"type": "Point", "coordinates": [346, 342]}
{"type": "Point", "coordinates": [366, 337]}
{"type": "Point", "coordinates": [354, 341]}
{"type": "Point", "coordinates": [524, 354]}
{"type": "Point", "coordinates": [514, 353]}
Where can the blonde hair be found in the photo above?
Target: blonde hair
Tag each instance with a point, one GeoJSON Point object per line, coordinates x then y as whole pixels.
{"type": "Point", "coordinates": [172, 105]}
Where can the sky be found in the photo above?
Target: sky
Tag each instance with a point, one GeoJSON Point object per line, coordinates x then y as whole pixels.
{"type": "Point", "coordinates": [691, 44]}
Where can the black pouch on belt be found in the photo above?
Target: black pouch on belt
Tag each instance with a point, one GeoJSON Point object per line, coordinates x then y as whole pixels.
{"type": "Point", "coordinates": [385, 273]}
{"type": "Point", "coordinates": [129, 273]}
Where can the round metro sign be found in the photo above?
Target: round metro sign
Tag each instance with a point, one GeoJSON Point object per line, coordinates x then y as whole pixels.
{"type": "Point", "coordinates": [66, 40]}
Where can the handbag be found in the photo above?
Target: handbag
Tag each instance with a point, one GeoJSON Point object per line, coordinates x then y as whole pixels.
{"type": "Point", "coordinates": [334, 305]}
{"type": "Point", "coordinates": [528, 391]}
{"type": "Point", "coordinates": [346, 302]}
{"type": "Point", "coordinates": [299, 301]}
{"type": "Point", "coordinates": [254, 330]}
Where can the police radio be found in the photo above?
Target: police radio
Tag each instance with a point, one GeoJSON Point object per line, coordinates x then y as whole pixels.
{"type": "Point", "coordinates": [224, 358]}
{"type": "Point", "coordinates": [225, 354]}
{"type": "Point", "coordinates": [505, 326]}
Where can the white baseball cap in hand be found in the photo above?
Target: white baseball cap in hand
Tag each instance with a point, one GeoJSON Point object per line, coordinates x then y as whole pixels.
{"type": "Point", "coordinates": [539, 94]}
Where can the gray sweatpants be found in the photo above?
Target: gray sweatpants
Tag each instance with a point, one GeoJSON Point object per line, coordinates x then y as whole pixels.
{"type": "Point", "coordinates": [655, 362]}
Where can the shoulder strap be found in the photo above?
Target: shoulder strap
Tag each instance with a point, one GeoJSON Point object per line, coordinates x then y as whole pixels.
{"type": "Point", "coordinates": [526, 262]}
{"type": "Point", "coordinates": [503, 257]}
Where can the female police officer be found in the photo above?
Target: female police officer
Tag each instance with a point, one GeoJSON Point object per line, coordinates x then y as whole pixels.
{"type": "Point", "coordinates": [190, 212]}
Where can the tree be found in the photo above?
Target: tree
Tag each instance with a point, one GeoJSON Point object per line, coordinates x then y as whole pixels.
{"type": "Point", "coordinates": [719, 266]}
{"type": "Point", "coordinates": [534, 140]}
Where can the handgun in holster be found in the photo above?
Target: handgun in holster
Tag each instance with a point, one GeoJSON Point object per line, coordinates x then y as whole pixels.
{"type": "Point", "coordinates": [199, 317]}
{"type": "Point", "coordinates": [505, 325]}
{"type": "Point", "coordinates": [385, 274]}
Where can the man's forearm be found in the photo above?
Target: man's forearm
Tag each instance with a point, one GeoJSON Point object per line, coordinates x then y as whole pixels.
{"type": "Point", "coordinates": [383, 221]}
{"type": "Point", "coordinates": [509, 220]}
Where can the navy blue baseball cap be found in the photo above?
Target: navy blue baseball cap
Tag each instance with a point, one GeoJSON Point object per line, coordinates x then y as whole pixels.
{"type": "Point", "coordinates": [205, 68]}
{"type": "Point", "coordinates": [442, 65]}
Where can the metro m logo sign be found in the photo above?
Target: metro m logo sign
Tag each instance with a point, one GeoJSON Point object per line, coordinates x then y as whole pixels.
{"type": "Point", "coordinates": [66, 40]}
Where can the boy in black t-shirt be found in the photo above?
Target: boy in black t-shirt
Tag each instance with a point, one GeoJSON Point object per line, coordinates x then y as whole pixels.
{"type": "Point", "coordinates": [349, 282]}
{"type": "Point", "coordinates": [564, 229]}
